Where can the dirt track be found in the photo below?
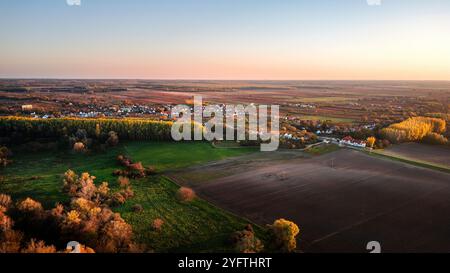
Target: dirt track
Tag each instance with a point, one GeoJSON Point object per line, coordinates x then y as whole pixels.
{"type": "Point", "coordinates": [338, 209]}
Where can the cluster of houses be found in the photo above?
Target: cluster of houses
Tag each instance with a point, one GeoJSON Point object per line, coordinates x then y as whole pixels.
{"type": "Point", "coordinates": [301, 105]}
{"type": "Point", "coordinates": [349, 141]}
{"type": "Point", "coordinates": [325, 132]}
{"type": "Point", "coordinates": [94, 111]}
{"type": "Point", "coordinates": [288, 136]}
{"type": "Point", "coordinates": [223, 107]}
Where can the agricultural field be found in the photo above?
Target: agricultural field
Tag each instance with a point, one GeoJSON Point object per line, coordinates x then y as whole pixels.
{"type": "Point", "coordinates": [322, 149]}
{"type": "Point", "coordinates": [193, 227]}
{"type": "Point", "coordinates": [332, 119]}
{"type": "Point", "coordinates": [431, 154]}
{"type": "Point", "coordinates": [340, 101]}
{"type": "Point", "coordinates": [341, 199]}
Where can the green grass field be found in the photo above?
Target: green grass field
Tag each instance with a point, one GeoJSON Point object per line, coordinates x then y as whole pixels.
{"type": "Point", "coordinates": [192, 227]}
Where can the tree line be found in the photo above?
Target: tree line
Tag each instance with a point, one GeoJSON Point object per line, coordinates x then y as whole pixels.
{"type": "Point", "coordinates": [417, 129]}
{"type": "Point", "coordinates": [19, 129]}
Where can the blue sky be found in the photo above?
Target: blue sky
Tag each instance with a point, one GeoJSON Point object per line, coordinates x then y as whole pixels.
{"type": "Point", "coordinates": [226, 39]}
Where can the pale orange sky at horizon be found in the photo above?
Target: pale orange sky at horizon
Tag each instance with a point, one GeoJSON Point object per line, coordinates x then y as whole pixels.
{"type": "Point", "coordinates": [249, 40]}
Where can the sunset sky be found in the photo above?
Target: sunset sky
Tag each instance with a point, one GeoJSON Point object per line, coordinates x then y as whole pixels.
{"type": "Point", "coordinates": [226, 39]}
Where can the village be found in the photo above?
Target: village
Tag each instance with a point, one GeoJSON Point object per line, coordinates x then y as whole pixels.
{"type": "Point", "coordinates": [295, 132]}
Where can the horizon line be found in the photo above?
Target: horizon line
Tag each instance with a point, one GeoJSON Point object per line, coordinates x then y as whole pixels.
{"type": "Point", "coordinates": [235, 80]}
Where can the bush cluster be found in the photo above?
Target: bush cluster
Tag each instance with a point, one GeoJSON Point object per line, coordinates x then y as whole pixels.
{"type": "Point", "coordinates": [245, 241]}
{"type": "Point", "coordinates": [26, 226]}
{"type": "Point", "coordinates": [133, 170]}
{"type": "Point", "coordinates": [185, 194]}
{"type": "Point", "coordinates": [84, 187]}
{"type": "Point", "coordinates": [157, 224]}
{"type": "Point", "coordinates": [80, 140]}
{"type": "Point", "coordinates": [5, 153]}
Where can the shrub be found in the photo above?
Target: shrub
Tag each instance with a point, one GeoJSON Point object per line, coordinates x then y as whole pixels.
{"type": "Point", "coordinates": [70, 182]}
{"type": "Point", "coordinates": [113, 139]}
{"type": "Point", "coordinates": [185, 194]}
{"type": "Point", "coordinates": [137, 208]}
{"type": "Point", "coordinates": [79, 147]}
{"type": "Point", "coordinates": [435, 139]}
{"type": "Point", "coordinates": [283, 235]}
{"type": "Point", "coordinates": [5, 200]}
{"type": "Point", "coordinates": [123, 181]}
{"type": "Point", "coordinates": [87, 188]}
{"type": "Point", "coordinates": [81, 135]}
{"type": "Point", "coordinates": [245, 241]}
{"type": "Point", "coordinates": [103, 191]}
{"type": "Point", "coordinates": [117, 199]}
{"type": "Point", "coordinates": [83, 187]}
{"type": "Point", "coordinates": [133, 169]}
{"type": "Point", "coordinates": [4, 154]}
{"type": "Point", "coordinates": [136, 170]}
{"type": "Point", "coordinates": [86, 250]}
{"type": "Point", "coordinates": [157, 224]}
{"type": "Point", "coordinates": [5, 222]}
{"type": "Point", "coordinates": [127, 192]}
{"type": "Point", "coordinates": [38, 247]}
{"type": "Point", "coordinates": [30, 206]}
{"type": "Point", "coordinates": [72, 218]}
{"type": "Point", "coordinates": [118, 172]}
{"type": "Point", "coordinates": [98, 131]}
{"type": "Point", "coordinates": [150, 170]}
{"type": "Point", "coordinates": [137, 248]}
{"type": "Point", "coordinates": [120, 197]}
{"type": "Point", "coordinates": [124, 161]}
{"type": "Point", "coordinates": [115, 235]}
{"type": "Point", "coordinates": [82, 205]}
{"type": "Point", "coordinates": [10, 241]}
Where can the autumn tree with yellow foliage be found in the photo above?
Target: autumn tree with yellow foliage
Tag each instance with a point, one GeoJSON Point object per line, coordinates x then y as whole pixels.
{"type": "Point", "coordinates": [371, 141]}
{"type": "Point", "coordinates": [284, 235]}
{"type": "Point", "coordinates": [414, 129]}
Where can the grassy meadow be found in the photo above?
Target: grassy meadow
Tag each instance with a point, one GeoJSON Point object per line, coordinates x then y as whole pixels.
{"type": "Point", "coordinates": [195, 227]}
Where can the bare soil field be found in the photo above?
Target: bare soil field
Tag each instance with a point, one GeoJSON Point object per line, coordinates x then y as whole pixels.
{"type": "Point", "coordinates": [341, 200]}
{"type": "Point", "coordinates": [422, 152]}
